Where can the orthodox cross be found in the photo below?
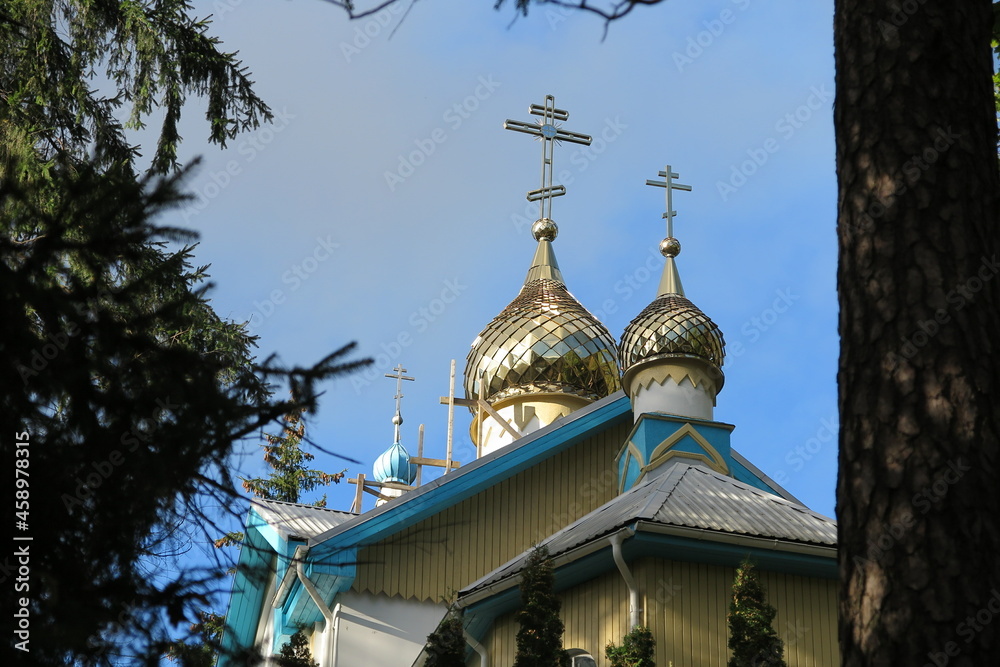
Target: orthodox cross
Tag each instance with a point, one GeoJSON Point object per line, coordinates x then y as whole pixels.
{"type": "Point", "coordinates": [669, 176]}
{"type": "Point", "coordinates": [549, 133]}
{"type": "Point", "coordinates": [398, 418]}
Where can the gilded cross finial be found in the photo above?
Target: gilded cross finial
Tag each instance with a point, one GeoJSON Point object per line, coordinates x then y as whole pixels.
{"type": "Point", "coordinates": [670, 247]}
{"type": "Point", "coordinates": [397, 420]}
{"type": "Point", "coordinates": [548, 132]}
{"type": "Point", "coordinates": [669, 174]}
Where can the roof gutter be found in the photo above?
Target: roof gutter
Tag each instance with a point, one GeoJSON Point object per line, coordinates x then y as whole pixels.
{"type": "Point", "coordinates": [510, 581]}
{"type": "Point", "coordinates": [762, 543]}
{"type": "Point", "coordinates": [578, 552]}
{"type": "Point", "coordinates": [616, 539]}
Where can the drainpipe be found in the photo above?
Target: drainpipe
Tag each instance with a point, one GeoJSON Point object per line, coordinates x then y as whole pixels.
{"type": "Point", "coordinates": [332, 617]}
{"type": "Point", "coordinates": [633, 592]}
{"type": "Point", "coordinates": [484, 658]}
{"type": "Point", "coordinates": [332, 644]}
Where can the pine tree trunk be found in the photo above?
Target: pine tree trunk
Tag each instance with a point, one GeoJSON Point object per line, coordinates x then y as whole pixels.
{"type": "Point", "coordinates": [918, 494]}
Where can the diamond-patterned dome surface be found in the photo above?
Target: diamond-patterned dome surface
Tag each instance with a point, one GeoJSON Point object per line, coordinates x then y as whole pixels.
{"type": "Point", "coordinates": [543, 341]}
{"type": "Point", "coordinates": [671, 326]}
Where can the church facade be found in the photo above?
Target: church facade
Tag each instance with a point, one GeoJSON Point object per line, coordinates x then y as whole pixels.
{"type": "Point", "coordinates": [603, 450]}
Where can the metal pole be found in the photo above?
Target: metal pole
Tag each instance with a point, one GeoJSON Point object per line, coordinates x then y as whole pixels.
{"type": "Point", "coordinates": [420, 451]}
{"type": "Point", "coordinates": [451, 417]}
{"type": "Point", "coordinates": [479, 439]}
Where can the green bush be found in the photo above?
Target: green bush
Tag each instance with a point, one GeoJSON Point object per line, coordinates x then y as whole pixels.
{"type": "Point", "coordinates": [752, 640]}
{"type": "Point", "coordinates": [637, 650]}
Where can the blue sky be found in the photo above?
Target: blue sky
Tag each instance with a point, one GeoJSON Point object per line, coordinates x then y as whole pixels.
{"type": "Point", "coordinates": [386, 204]}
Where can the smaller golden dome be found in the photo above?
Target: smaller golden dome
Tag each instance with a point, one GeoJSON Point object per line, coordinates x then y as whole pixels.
{"type": "Point", "coordinates": [671, 327]}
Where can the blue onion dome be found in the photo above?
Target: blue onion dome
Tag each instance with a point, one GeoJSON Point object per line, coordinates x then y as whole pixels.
{"type": "Point", "coordinates": [394, 466]}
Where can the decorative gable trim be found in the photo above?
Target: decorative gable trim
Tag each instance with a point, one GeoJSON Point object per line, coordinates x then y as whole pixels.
{"type": "Point", "coordinates": [664, 452]}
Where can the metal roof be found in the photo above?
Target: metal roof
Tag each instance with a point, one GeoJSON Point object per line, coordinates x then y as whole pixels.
{"type": "Point", "coordinates": [692, 496]}
{"type": "Point", "coordinates": [480, 474]}
{"type": "Point", "coordinates": [293, 520]}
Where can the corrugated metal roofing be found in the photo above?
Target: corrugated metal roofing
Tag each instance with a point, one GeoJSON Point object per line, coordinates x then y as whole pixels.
{"type": "Point", "coordinates": [692, 496]}
{"type": "Point", "coordinates": [295, 520]}
{"type": "Point", "coordinates": [706, 499]}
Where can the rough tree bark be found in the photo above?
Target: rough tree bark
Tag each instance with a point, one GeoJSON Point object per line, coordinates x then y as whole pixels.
{"type": "Point", "coordinates": [918, 495]}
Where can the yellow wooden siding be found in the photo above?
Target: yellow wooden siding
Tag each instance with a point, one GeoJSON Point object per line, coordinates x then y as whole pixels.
{"type": "Point", "coordinates": [685, 605]}
{"type": "Point", "coordinates": [594, 613]}
{"type": "Point", "coordinates": [806, 619]}
{"type": "Point", "coordinates": [438, 556]}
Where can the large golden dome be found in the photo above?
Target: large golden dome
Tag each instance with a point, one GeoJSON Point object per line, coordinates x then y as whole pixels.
{"type": "Point", "coordinates": [544, 342]}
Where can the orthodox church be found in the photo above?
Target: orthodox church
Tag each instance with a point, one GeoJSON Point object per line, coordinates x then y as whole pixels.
{"type": "Point", "coordinates": [604, 451]}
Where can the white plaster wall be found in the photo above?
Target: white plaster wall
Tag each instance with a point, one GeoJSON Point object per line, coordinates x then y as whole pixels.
{"type": "Point", "coordinates": [391, 493]}
{"type": "Point", "coordinates": [683, 400]}
{"type": "Point", "coordinates": [496, 436]}
{"type": "Point", "coordinates": [544, 409]}
{"type": "Point", "coordinates": [378, 631]}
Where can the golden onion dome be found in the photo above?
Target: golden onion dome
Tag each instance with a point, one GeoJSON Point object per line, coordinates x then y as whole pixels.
{"type": "Point", "coordinates": [671, 327]}
{"type": "Point", "coordinates": [544, 341]}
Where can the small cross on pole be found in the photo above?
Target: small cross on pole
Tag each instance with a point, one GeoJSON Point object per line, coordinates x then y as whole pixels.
{"type": "Point", "coordinates": [669, 175]}
{"type": "Point", "coordinates": [548, 132]}
{"type": "Point", "coordinates": [398, 418]}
